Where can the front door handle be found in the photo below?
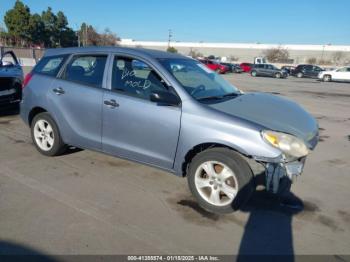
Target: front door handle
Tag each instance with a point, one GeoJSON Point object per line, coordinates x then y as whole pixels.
{"type": "Point", "coordinates": [111, 103]}
{"type": "Point", "coordinates": [58, 91]}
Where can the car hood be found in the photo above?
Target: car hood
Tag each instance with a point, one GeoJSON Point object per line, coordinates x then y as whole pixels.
{"type": "Point", "coordinates": [274, 113]}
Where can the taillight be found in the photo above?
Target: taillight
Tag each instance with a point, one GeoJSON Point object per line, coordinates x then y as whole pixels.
{"type": "Point", "coordinates": [27, 80]}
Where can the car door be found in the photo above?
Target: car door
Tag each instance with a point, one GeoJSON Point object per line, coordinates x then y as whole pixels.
{"type": "Point", "coordinates": [212, 65]}
{"type": "Point", "coordinates": [76, 98]}
{"type": "Point", "coordinates": [315, 71]}
{"type": "Point", "coordinates": [341, 74]}
{"type": "Point", "coordinates": [307, 70]}
{"type": "Point", "coordinates": [133, 126]}
{"type": "Point", "coordinates": [264, 69]}
{"type": "Point", "coordinates": [347, 74]}
{"type": "Point", "coordinates": [270, 71]}
{"type": "Point", "coordinates": [337, 74]}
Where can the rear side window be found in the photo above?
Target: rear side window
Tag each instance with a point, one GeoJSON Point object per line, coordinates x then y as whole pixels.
{"type": "Point", "coordinates": [86, 70]}
{"type": "Point", "coordinates": [50, 65]}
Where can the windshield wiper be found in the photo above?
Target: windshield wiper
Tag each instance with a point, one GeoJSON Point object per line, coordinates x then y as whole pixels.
{"type": "Point", "coordinates": [210, 98]}
{"type": "Point", "coordinates": [231, 94]}
{"type": "Point", "coordinates": [218, 97]}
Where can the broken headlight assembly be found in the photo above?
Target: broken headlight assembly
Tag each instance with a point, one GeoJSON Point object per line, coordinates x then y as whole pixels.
{"type": "Point", "coordinates": [291, 146]}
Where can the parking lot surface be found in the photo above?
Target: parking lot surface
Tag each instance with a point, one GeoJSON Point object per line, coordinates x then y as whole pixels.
{"type": "Point", "coordinates": [89, 203]}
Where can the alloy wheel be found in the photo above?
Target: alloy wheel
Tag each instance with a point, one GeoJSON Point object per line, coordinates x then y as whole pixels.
{"type": "Point", "coordinates": [216, 183]}
{"type": "Point", "coordinates": [44, 135]}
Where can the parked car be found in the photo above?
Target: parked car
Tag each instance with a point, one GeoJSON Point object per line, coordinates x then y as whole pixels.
{"type": "Point", "coordinates": [219, 68]}
{"type": "Point", "coordinates": [310, 71]}
{"type": "Point", "coordinates": [11, 78]}
{"type": "Point", "coordinates": [268, 70]}
{"type": "Point", "coordinates": [170, 112]}
{"type": "Point", "coordinates": [288, 69]}
{"type": "Point", "coordinates": [246, 67]}
{"type": "Point", "coordinates": [341, 74]}
{"type": "Point", "coordinates": [233, 68]}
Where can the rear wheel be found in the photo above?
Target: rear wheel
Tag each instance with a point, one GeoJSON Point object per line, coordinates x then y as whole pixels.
{"type": "Point", "coordinates": [327, 78]}
{"type": "Point", "coordinates": [46, 136]}
{"type": "Point", "coordinates": [220, 179]}
{"type": "Point", "coordinates": [253, 73]}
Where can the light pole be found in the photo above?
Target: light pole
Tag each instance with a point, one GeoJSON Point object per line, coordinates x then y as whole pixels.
{"type": "Point", "coordinates": [323, 48]}
{"type": "Point", "coordinates": [322, 52]}
{"type": "Point", "coordinates": [169, 37]}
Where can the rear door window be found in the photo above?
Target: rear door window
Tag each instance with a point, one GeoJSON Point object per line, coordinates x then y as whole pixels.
{"type": "Point", "coordinates": [86, 70]}
{"type": "Point", "coordinates": [50, 65]}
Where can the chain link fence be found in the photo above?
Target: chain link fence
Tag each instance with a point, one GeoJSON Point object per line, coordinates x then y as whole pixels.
{"type": "Point", "coordinates": [31, 53]}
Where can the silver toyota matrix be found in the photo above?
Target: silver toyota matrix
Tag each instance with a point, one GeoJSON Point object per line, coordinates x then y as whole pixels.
{"type": "Point", "coordinates": [170, 112]}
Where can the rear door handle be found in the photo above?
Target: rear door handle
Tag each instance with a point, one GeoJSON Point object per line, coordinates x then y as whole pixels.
{"type": "Point", "coordinates": [58, 91]}
{"type": "Point", "coordinates": [111, 103]}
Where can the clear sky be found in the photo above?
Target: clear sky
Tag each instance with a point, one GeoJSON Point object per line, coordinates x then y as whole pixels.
{"type": "Point", "coordinates": [263, 21]}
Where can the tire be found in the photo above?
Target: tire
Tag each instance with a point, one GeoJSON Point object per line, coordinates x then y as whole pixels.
{"type": "Point", "coordinates": [327, 78]}
{"type": "Point", "coordinates": [300, 75]}
{"type": "Point", "coordinates": [237, 180]}
{"type": "Point", "coordinates": [278, 75]}
{"type": "Point", "coordinates": [46, 136]}
{"type": "Point", "coordinates": [218, 71]}
{"type": "Point", "coordinates": [253, 73]}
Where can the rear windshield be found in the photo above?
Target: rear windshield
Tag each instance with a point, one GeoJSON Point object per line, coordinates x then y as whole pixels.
{"type": "Point", "coordinates": [50, 65]}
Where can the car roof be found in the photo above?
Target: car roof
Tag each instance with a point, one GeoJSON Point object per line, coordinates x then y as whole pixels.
{"type": "Point", "coordinates": [132, 51]}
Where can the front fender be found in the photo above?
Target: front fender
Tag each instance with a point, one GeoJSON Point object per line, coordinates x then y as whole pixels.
{"type": "Point", "coordinates": [237, 134]}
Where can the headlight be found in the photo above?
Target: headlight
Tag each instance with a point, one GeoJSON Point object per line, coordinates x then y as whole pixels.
{"type": "Point", "coordinates": [288, 144]}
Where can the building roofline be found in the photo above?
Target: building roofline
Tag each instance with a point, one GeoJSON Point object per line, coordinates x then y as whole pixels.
{"type": "Point", "coordinates": [325, 47]}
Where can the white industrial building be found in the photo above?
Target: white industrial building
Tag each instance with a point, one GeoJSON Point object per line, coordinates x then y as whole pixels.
{"type": "Point", "coordinates": [246, 52]}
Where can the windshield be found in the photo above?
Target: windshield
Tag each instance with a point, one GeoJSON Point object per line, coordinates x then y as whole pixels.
{"type": "Point", "coordinates": [198, 80]}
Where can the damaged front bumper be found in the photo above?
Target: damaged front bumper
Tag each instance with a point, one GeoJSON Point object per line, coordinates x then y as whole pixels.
{"type": "Point", "coordinates": [276, 171]}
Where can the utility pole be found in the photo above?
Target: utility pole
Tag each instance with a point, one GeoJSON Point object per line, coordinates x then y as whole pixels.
{"type": "Point", "coordinates": [323, 52]}
{"type": "Point", "coordinates": [78, 34]}
{"type": "Point", "coordinates": [169, 37]}
{"type": "Point", "coordinates": [86, 35]}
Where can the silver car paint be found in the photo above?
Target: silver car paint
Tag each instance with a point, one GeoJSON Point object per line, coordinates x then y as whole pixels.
{"type": "Point", "coordinates": [292, 118]}
{"type": "Point", "coordinates": [142, 137]}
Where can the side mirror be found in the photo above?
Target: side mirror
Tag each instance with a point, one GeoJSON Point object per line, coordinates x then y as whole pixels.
{"type": "Point", "coordinates": [165, 98]}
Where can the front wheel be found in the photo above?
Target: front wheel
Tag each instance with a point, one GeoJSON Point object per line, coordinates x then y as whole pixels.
{"type": "Point", "coordinates": [327, 78]}
{"type": "Point", "coordinates": [220, 179]}
{"type": "Point", "coordinates": [253, 73]}
{"type": "Point", "coordinates": [46, 136]}
{"type": "Point", "coordinates": [278, 75]}
{"type": "Point", "coordinates": [300, 75]}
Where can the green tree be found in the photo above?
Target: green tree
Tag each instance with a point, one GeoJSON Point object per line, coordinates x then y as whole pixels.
{"type": "Point", "coordinates": [17, 22]}
{"type": "Point", "coordinates": [51, 33]}
{"type": "Point", "coordinates": [36, 29]}
{"type": "Point", "coordinates": [68, 38]}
